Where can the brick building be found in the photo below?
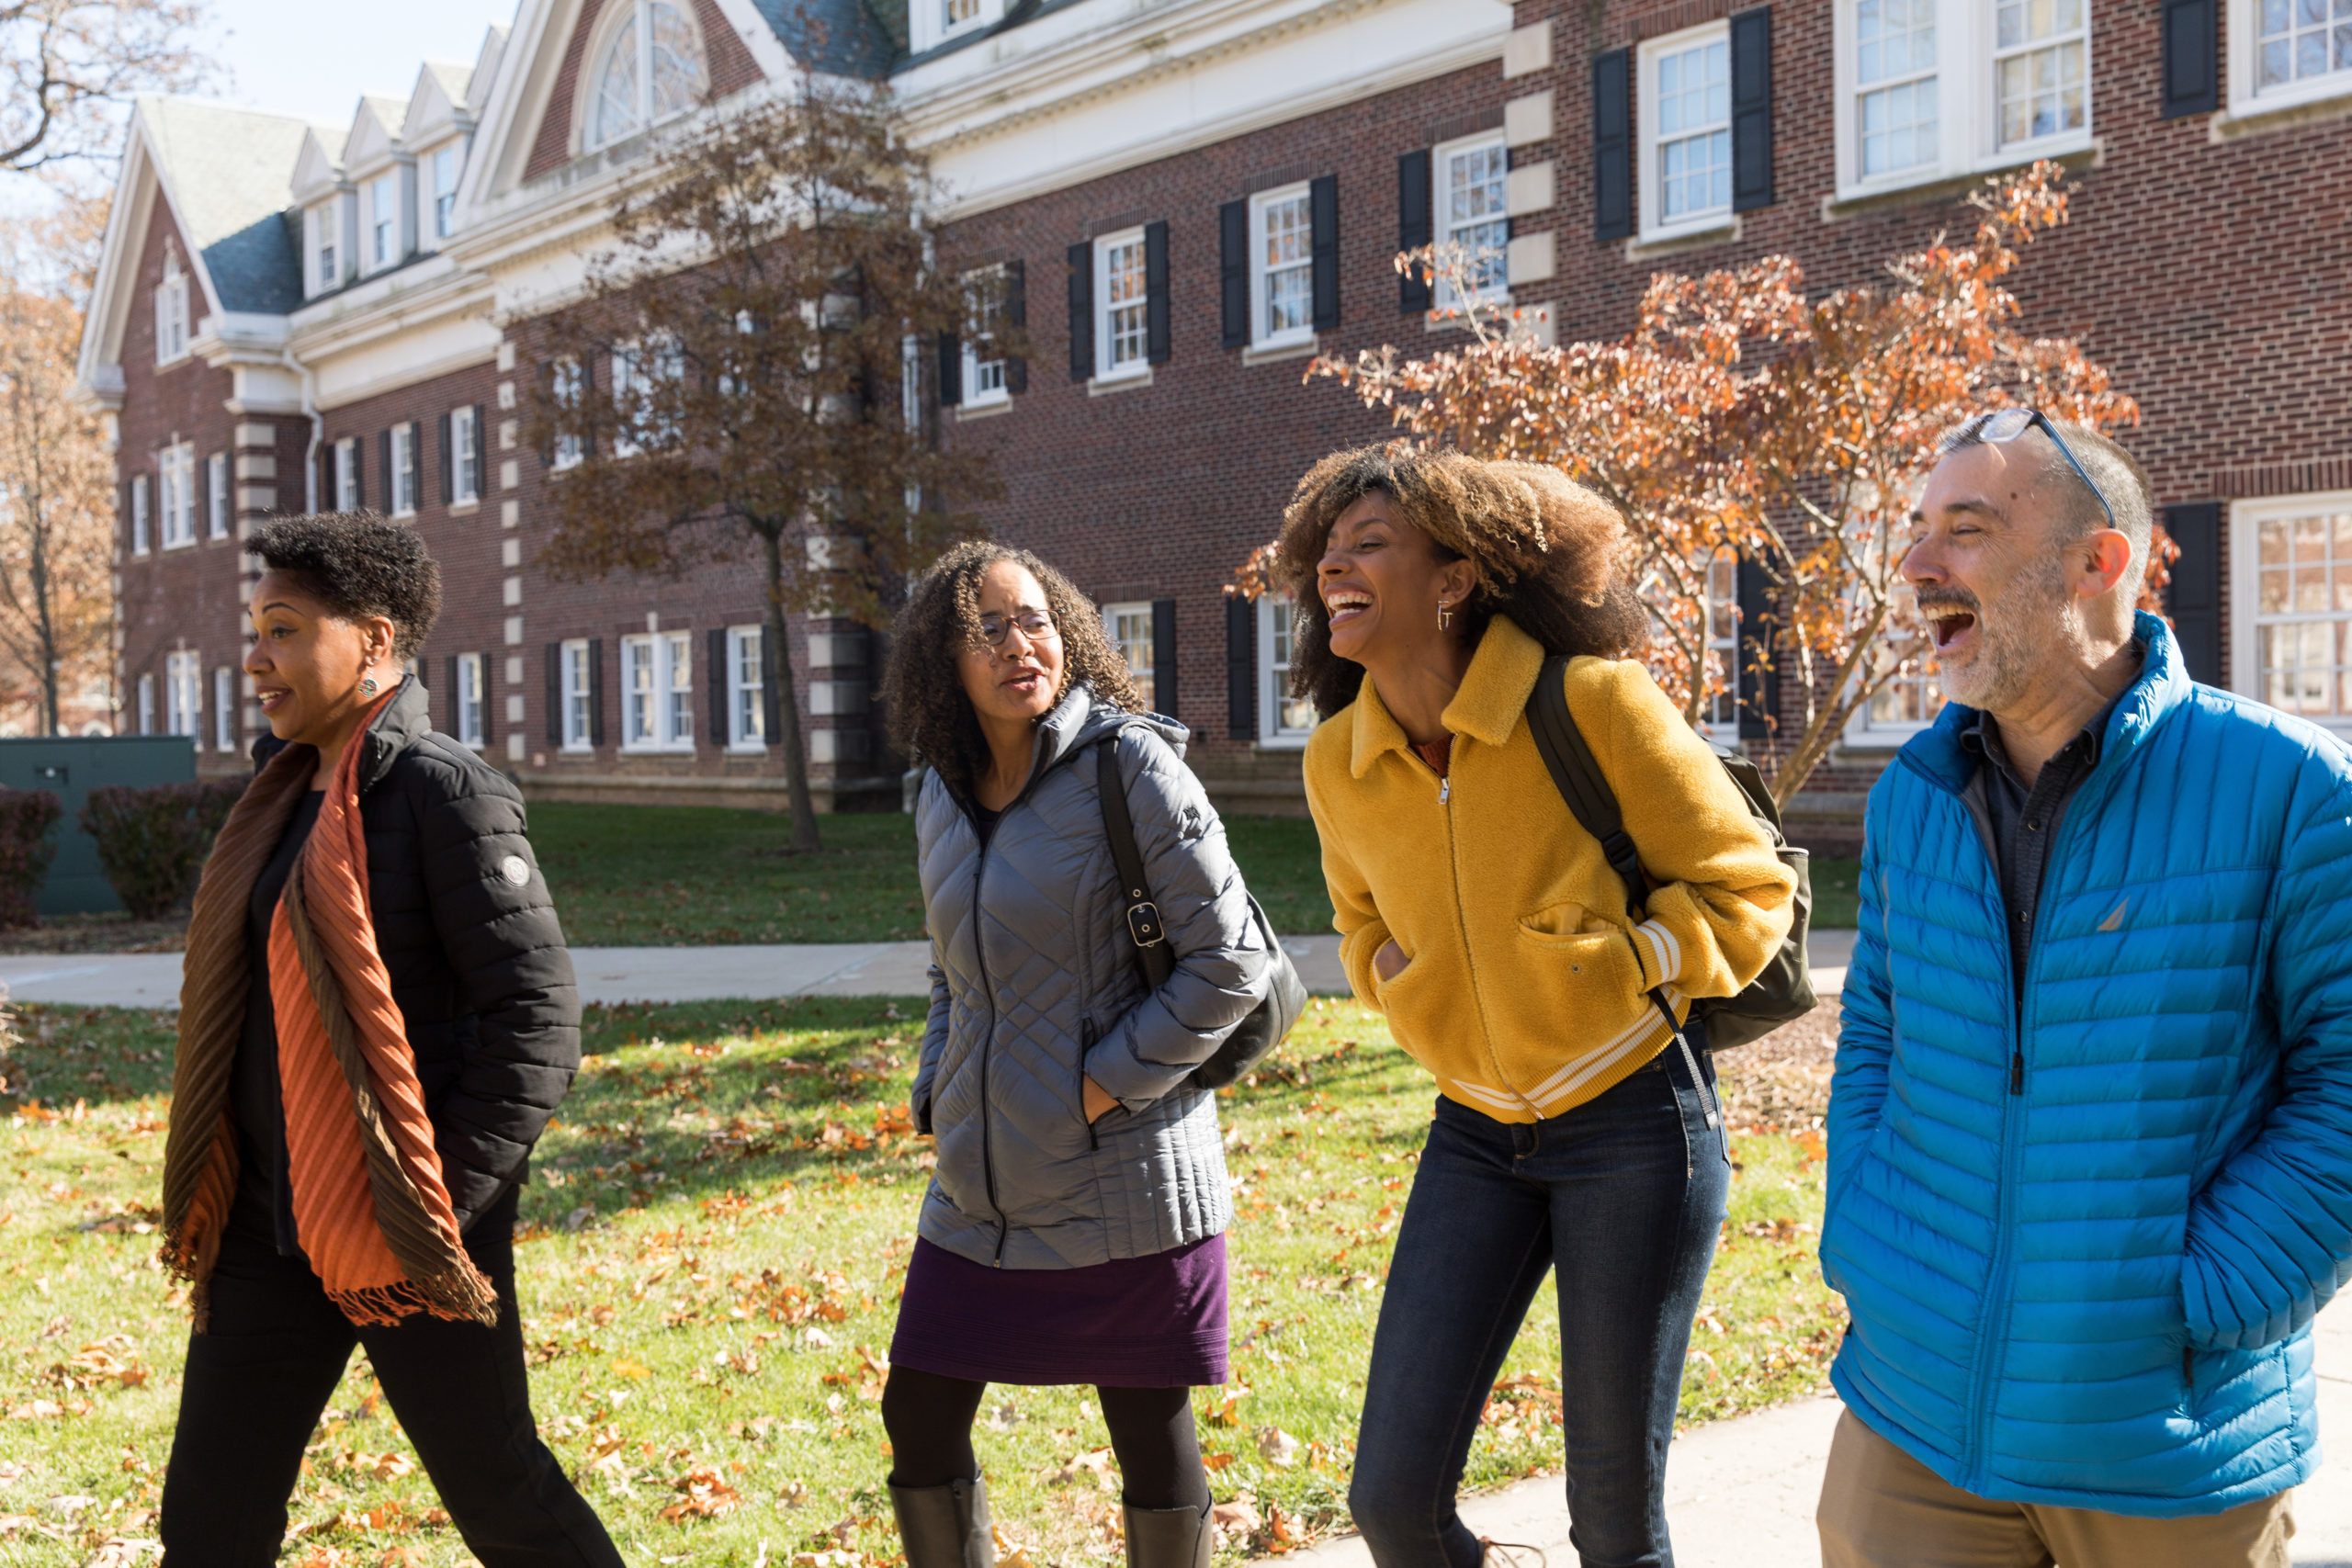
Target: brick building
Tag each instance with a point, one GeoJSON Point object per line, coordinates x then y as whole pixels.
{"type": "Point", "coordinates": [1188, 201]}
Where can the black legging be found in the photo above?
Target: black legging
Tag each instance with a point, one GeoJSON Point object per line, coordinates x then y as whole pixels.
{"type": "Point", "coordinates": [929, 1418]}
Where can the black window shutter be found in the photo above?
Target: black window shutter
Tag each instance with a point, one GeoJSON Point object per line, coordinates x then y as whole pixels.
{"type": "Point", "coordinates": [2192, 57]}
{"type": "Point", "coordinates": [326, 476]}
{"type": "Point", "coordinates": [1016, 316]}
{"type": "Point", "coordinates": [595, 691]}
{"type": "Point", "coordinates": [1081, 312]}
{"type": "Point", "coordinates": [1413, 231]}
{"type": "Point", "coordinates": [2194, 598]}
{"type": "Point", "coordinates": [1240, 669]}
{"type": "Point", "coordinates": [384, 467]}
{"type": "Point", "coordinates": [548, 410]}
{"type": "Point", "coordinates": [1155, 292]}
{"type": "Point", "coordinates": [772, 675]}
{"type": "Point", "coordinates": [1613, 144]}
{"type": "Point", "coordinates": [587, 408]}
{"type": "Point", "coordinates": [358, 481]}
{"type": "Point", "coordinates": [1751, 109]}
{"type": "Point", "coordinates": [1323, 204]}
{"type": "Point", "coordinates": [457, 722]}
{"type": "Point", "coordinates": [1233, 273]}
{"type": "Point", "coordinates": [555, 694]}
{"type": "Point", "coordinates": [715, 662]}
{"type": "Point", "coordinates": [1760, 699]}
{"type": "Point", "coordinates": [1163, 656]}
{"type": "Point", "coordinates": [480, 475]}
{"type": "Point", "coordinates": [951, 370]}
{"type": "Point", "coordinates": [449, 464]}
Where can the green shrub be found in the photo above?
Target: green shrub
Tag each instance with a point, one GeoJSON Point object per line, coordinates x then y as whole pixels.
{"type": "Point", "coordinates": [152, 842]}
{"type": "Point", "coordinates": [25, 849]}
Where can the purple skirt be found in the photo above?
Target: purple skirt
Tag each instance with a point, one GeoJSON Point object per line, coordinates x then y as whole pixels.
{"type": "Point", "coordinates": [1156, 1321]}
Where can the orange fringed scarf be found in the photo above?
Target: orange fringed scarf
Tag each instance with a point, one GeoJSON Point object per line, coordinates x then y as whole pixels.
{"type": "Point", "coordinates": [369, 1207]}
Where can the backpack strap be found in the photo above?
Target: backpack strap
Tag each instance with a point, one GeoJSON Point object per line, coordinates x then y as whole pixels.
{"type": "Point", "coordinates": [1577, 773]}
{"type": "Point", "coordinates": [1154, 961]}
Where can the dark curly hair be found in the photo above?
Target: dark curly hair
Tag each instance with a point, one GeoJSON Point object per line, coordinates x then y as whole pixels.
{"type": "Point", "coordinates": [1550, 555]}
{"type": "Point", "coordinates": [929, 715]}
{"type": "Point", "coordinates": [359, 565]}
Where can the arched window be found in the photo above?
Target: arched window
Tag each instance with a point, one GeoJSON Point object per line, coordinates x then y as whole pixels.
{"type": "Point", "coordinates": [651, 71]}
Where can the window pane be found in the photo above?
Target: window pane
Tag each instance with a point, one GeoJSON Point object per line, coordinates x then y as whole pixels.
{"type": "Point", "coordinates": [1130, 628]}
{"type": "Point", "coordinates": [1123, 293]}
{"type": "Point", "coordinates": [2296, 42]}
{"type": "Point", "coordinates": [1694, 132]}
{"type": "Point", "coordinates": [677, 61]}
{"type": "Point", "coordinates": [1474, 203]}
{"type": "Point", "coordinates": [616, 111]}
{"type": "Point", "coordinates": [1288, 259]}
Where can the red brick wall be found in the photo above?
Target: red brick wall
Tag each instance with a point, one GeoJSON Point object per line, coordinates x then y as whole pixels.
{"type": "Point", "coordinates": [730, 64]}
{"type": "Point", "coordinates": [1159, 492]}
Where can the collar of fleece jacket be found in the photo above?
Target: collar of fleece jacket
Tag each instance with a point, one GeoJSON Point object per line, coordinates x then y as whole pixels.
{"type": "Point", "coordinates": [1492, 701]}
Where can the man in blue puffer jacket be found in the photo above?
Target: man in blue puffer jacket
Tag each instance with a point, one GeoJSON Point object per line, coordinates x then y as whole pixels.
{"type": "Point", "coordinates": [2090, 1139]}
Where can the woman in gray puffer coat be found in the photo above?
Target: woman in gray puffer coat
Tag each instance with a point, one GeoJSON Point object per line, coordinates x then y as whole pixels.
{"type": "Point", "coordinates": [1073, 1231]}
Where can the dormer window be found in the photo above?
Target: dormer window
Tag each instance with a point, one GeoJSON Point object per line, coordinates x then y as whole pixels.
{"type": "Point", "coordinates": [444, 192]}
{"type": "Point", "coordinates": [943, 22]}
{"type": "Point", "coordinates": [171, 312]}
{"type": "Point", "coordinates": [652, 70]}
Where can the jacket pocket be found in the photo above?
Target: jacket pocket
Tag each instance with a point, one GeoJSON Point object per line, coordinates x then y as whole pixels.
{"type": "Point", "coordinates": [1575, 958]}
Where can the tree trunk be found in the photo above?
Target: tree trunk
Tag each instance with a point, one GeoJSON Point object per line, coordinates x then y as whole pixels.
{"type": "Point", "coordinates": [787, 702]}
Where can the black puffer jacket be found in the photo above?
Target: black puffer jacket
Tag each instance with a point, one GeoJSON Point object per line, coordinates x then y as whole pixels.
{"type": "Point", "coordinates": [469, 931]}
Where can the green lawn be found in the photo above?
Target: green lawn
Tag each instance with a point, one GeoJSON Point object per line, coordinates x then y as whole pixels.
{"type": "Point", "coordinates": [1835, 901]}
{"type": "Point", "coordinates": [715, 1244]}
{"type": "Point", "coordinates": [676, 875]}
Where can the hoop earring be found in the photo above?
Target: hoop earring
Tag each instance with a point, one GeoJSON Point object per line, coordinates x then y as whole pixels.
{"type": "Point", "coordinates": [367, 687]}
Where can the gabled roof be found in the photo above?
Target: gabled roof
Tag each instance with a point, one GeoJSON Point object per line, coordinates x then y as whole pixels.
{"type": "Point", "coordinates": [318, 167]}
{"type": "Point", "coordinates": [224, 171]}
{"type": "Point", "coordinates": [375, 129]}
{"type": "Point", "coordinates": [834, 38]}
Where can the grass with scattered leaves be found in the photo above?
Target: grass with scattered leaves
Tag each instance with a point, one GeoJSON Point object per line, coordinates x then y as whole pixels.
{"type": "Point", "coordinates": [713, 1247]}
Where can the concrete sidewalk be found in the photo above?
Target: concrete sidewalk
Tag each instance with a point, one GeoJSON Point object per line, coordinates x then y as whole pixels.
{"type": "Point", "coordinates": [1741, 1494]}
{"type": "Point", "coordinates": [688, 974]}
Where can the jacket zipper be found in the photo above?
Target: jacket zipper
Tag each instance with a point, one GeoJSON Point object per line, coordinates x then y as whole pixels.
{"type": "Point", "coordinates": [988, 1043]}
{"type": "Point", "coordinates": [1462, 928]}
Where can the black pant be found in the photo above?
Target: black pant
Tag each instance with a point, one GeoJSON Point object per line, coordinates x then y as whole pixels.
{"type": "Point", "coordinates": [275, 1347]}
{"type": "Point", "coordinates": [929, 1418]}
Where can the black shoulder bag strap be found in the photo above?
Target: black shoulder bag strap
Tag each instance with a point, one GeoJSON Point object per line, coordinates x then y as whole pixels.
{"type": "Point", "coordinates": [1144, 927]}
{"type": "Point", "coordinates": [1577, 773]}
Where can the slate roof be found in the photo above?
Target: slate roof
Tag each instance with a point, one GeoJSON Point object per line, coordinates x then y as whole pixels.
{"type": "Point", "coordinates": [227, 170]}
{"type": "Point", "coordinates": [839, 37]}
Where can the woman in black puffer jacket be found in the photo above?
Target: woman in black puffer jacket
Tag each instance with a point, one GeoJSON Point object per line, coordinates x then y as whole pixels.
{"type": "Point", "coordinates": [435, 994]}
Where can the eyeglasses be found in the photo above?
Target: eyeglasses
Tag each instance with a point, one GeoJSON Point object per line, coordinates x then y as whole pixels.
{"type": "Point", "coordinates": [1035, 625]}
{"type": "Point", "coordinates": [2002, 427]}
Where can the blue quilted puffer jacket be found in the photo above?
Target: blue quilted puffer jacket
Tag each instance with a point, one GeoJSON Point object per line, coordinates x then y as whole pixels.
{"type": "Point", "coordinates": [2082, 1241]}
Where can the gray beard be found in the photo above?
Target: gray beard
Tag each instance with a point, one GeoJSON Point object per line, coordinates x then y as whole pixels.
{"type": "Point", "coordinates": [2014, 642]}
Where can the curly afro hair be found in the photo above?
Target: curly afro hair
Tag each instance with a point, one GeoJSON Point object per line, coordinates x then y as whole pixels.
{"type": "Point", "coordinates": [929, 715]}
{"type": "Point", "coordinates": [359, 565]}
{"type": "Point", "coordinates": [1550, 555]}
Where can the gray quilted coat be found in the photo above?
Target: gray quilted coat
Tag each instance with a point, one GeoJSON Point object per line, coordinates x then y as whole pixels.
{"type": "Point", "coordinates": [1034, 985]}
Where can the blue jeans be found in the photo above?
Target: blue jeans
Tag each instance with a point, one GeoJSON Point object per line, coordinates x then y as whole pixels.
{"type": "Point", "coordinates": [1627, 1192]}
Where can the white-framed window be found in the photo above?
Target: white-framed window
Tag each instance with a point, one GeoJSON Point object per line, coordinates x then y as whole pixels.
{"type": "Point", "coordinates": [566, 387]}
{"type": "Point", "coordinates": [404, 448]}
{"type": "Point", "coordinates": [1685, 105]}
{"type": "Point", "coordinates": [1130, 629]}
{"type": "Point", "coordinates": [171, 312]}
{"type": "Point", "coordinates": [657, 691]}
{"type": "Point", "coordinates": [1122, 338]}
{"type": "Point", "coordinates": [2290, 582]}
{"type": "Point", "coordinates": [147, 704]}
{"type": "Point", "coordinates": [225, 708]}
{"type": "Point", "coordinates": [2283, 52]}
{"type": "Point", "coordinates": [1471, 204]}
{"type": "Point", "coordinates": [139, 515]}
{"type": "Point", "coordinates": [747, 713]}
{"type": "Point", "coordinates": [384, 218]}
{"type": "Point", "coordinates": [1282, 267]}
{"type": "Point", "coordinates": [1900, 709]}
{"type": "Point", "coordinates": [1283, 719]}
{"type": "Point", "coordinates": [322, 224]}
{"type": "Point", "coordinates": [444, 165]}
{"type": "Point", "coordinates": [1944, 89]}
{"type": "Point", "coordinates": [465, 455]}
{"type": "Point", "coordinates": [642, 370]}
{"type": "Point", "coordinates": [579, 690]}
{"type": "Point", "coordinates": [470, 701]}
{"type": "Point", "coordinates": [176, 468]}
{"type": "Point", "coordinates": [347, 496]}
{"type": "Point", "coordinates": [984, 380]}
{"type": "Point", "coordinates": [183, 694]}
{"type": "Point", "coordinates": [650, 70]}
{"type": "Point", "coordinates": [1722, 719]}
{"type": "Point", "coordinates": [216, 492]}
{"type": "Point", "coordinates": [942, 21]}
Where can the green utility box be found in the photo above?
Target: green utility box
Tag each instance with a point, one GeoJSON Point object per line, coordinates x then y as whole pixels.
{"type": "Point", "coordinates": [70, 767]}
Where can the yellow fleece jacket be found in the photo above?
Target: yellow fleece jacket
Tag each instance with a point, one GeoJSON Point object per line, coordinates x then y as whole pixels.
{"type": "Point", "coordinates": [1525, 985]}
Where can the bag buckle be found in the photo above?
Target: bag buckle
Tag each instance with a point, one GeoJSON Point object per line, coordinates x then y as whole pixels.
{"type": "Point", "coordinates": [1143, 924]}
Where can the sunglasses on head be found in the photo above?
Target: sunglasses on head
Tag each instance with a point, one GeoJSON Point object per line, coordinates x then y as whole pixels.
{"type": "Point", "coordinates": [2002, 427]}
{"type": "Point", "coordinates": [1034, 624]}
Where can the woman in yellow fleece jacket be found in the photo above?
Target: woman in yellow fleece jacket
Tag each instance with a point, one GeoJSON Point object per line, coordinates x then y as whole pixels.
{"type": "Point", "coordinates": [1486, 923]}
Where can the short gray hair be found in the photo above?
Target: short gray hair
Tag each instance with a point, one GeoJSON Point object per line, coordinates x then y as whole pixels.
{"type": "Point", "coordinates": [2118, 475]}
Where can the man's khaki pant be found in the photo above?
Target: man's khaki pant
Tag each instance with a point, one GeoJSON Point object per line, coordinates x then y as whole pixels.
{"type": "Point", "coordinates": [1881, 1508]}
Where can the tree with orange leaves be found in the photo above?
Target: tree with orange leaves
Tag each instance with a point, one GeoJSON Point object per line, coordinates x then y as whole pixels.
{"type": "Point", "coordinates": [1741, 417]}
